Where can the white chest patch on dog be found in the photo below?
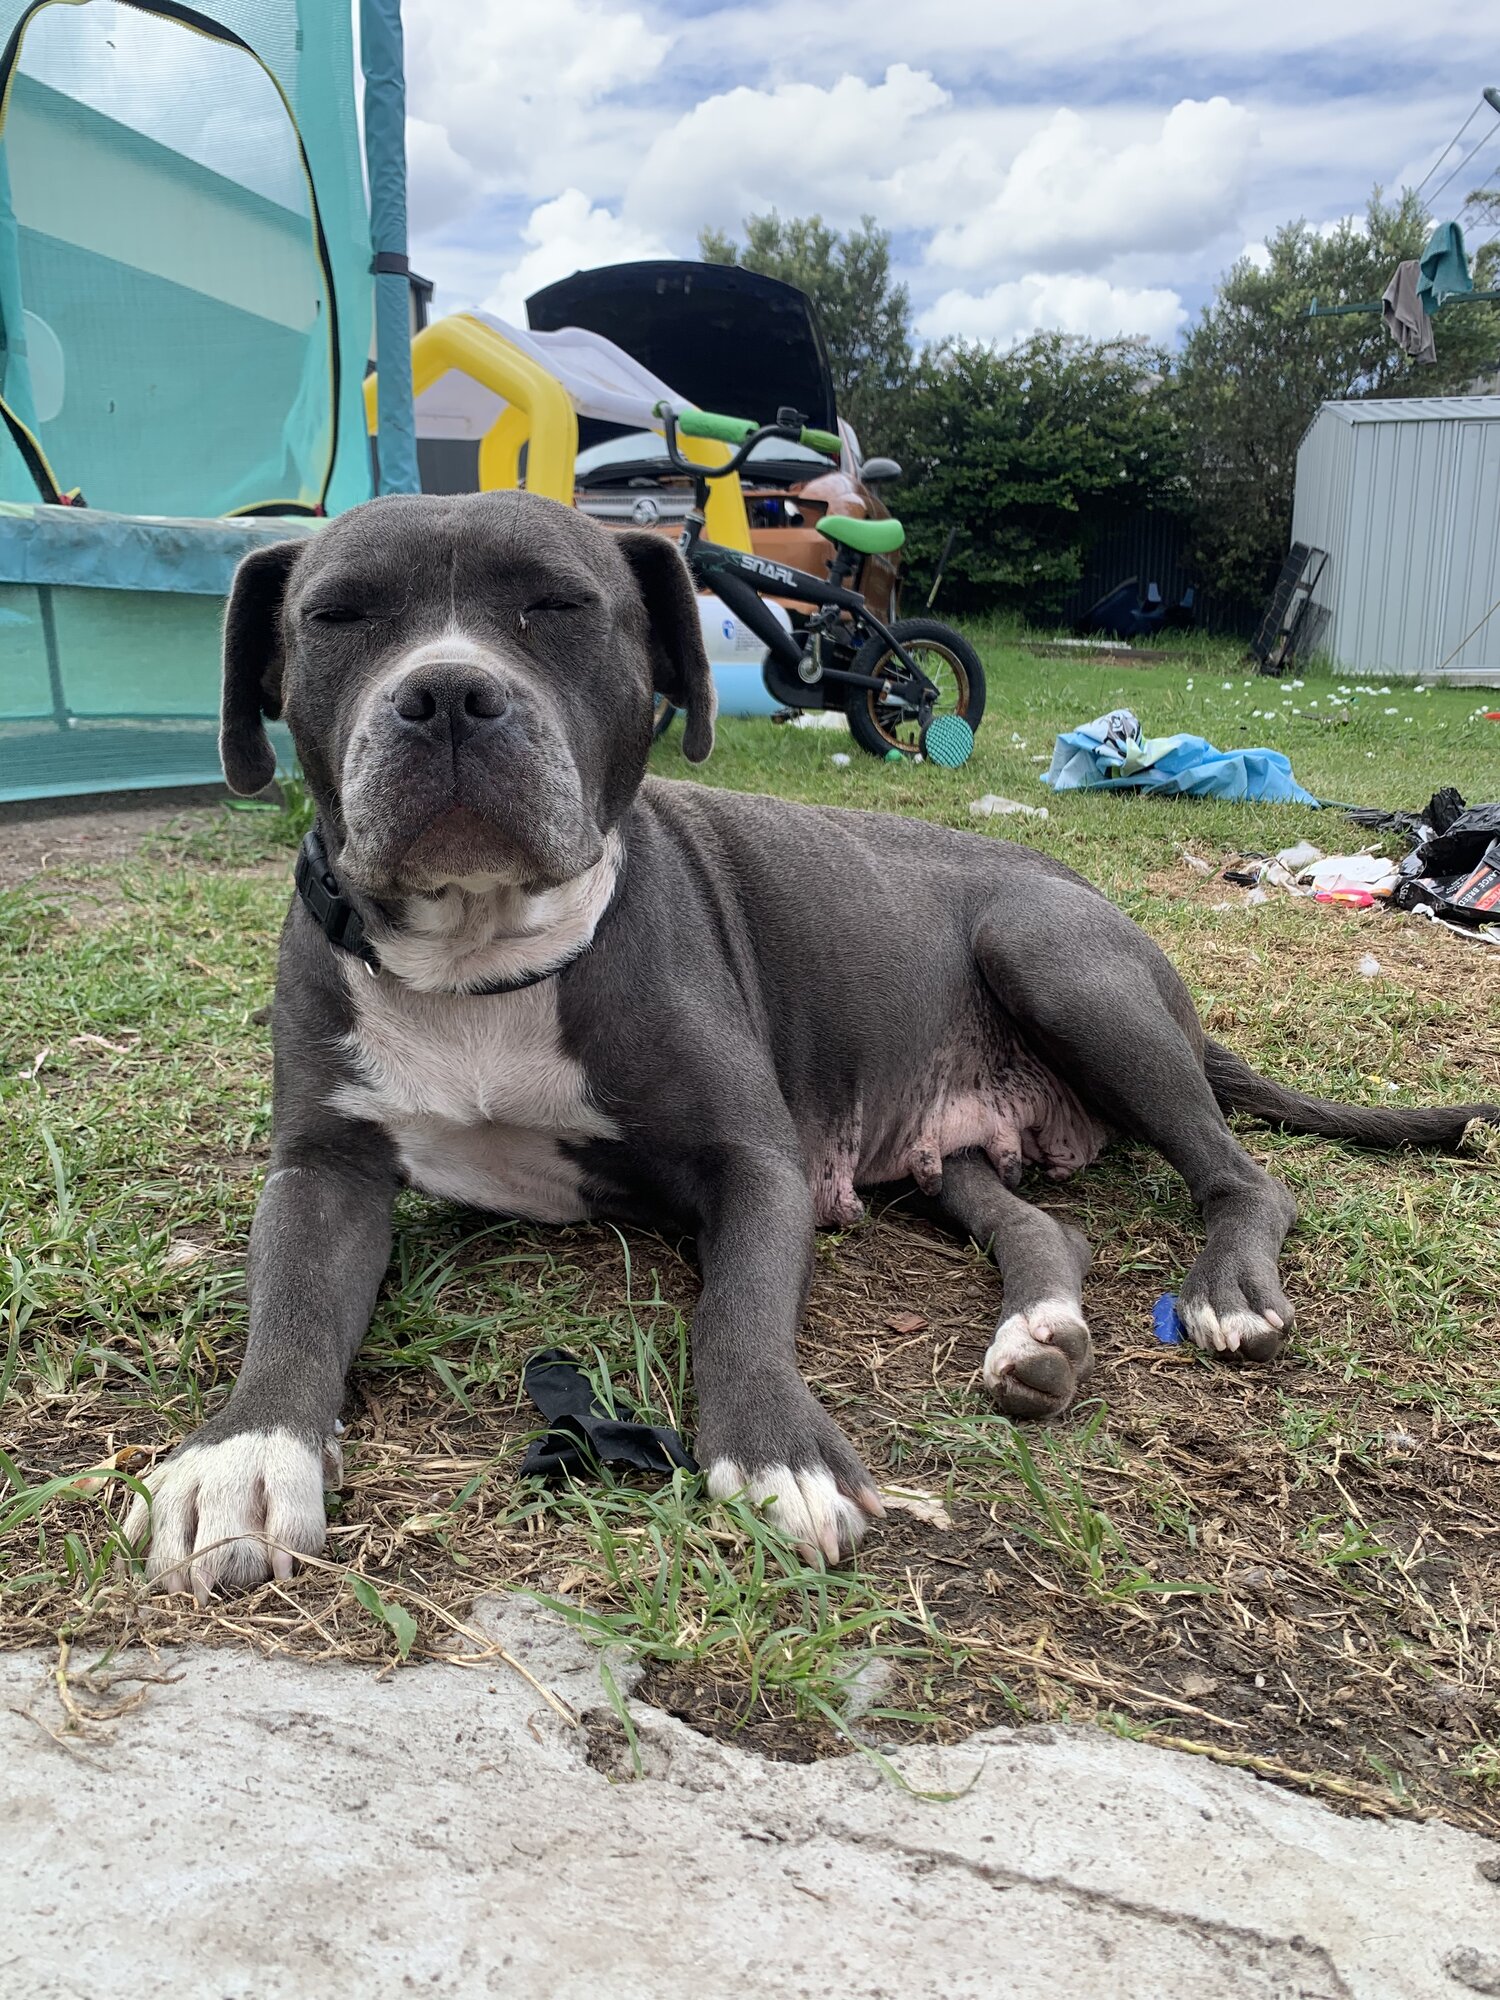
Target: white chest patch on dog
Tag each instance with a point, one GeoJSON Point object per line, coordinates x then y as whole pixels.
{"type": "Point", "coordinates": [474, 933]}
{"type": "Point", "coordinates": [476, 1092]}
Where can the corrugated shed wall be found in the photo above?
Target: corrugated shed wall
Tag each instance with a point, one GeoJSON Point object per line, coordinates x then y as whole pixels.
{"type": "Point", "coordinates": [1472, 583]}
{"type": "Point", "coordinates": [1398, 507]}
{"type": "Point", "coordinates": [1405, 497]}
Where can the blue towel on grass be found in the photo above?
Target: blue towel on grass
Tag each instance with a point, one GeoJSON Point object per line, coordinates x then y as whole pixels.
{"type": "Point", "coordinates": [1110, 754]}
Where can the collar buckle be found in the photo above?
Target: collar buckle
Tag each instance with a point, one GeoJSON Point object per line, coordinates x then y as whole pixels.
{"type": "Point", "coordinates": [329, 907]}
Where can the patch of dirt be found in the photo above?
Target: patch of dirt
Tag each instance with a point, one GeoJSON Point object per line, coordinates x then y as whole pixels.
{"type": "Point", "coordinates": [717, 1707]}
{"type": "Point", "coordinates": [63, 837]}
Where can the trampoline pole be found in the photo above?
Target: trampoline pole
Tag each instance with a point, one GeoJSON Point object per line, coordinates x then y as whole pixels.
{"type": "Point", "coordinates": [385, 158]}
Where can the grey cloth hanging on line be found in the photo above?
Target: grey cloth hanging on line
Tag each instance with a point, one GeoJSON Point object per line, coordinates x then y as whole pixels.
{"type": "Point", "coordinates": [1405, 319]}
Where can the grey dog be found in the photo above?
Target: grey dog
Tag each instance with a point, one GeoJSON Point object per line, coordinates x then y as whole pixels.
{"type": "Point", "coordinates": [524, 976]}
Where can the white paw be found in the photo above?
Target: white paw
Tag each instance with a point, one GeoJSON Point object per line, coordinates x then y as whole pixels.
{"type": "Point", "coordinates": [807, 1507]}
{"type": "Point", "coordinates": [1226, 1333]}
{"type": "Point", "coordinates": [231, 1514]}
{"type": "Point", "coordinates": [1019, 1335]}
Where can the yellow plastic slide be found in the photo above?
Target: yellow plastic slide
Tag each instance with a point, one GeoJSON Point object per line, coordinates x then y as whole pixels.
{"type": "Point", "coordinates": [472, 375]}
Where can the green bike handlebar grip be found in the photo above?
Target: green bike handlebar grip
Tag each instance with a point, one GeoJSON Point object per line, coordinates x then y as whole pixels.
{"type": "Point", "coordinates": [704, 424]}
{"type": "Point", "coordinates": [824, 441]}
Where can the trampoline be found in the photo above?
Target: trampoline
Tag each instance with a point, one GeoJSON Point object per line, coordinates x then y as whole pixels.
{"type": "Point", "coordinates": [186, 307]}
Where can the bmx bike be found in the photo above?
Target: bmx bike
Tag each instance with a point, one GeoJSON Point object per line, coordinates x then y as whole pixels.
{"type": "Point", "coordinates": [912, 688]}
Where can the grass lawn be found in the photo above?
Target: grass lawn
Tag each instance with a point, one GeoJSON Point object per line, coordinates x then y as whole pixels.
{"type": "Point", "coordinates": [1292, 1569]}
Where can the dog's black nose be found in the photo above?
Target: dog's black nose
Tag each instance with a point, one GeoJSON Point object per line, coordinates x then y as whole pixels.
{"type": "Point", "coordinates": [449, 695]}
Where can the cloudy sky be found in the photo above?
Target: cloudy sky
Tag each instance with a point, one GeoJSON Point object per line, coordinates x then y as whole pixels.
{"type": "Point", "coordinates": [1058, 163]}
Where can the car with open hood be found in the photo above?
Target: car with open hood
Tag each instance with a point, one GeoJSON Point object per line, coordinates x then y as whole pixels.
{"type": "Point", "coordinates": [746, 345]}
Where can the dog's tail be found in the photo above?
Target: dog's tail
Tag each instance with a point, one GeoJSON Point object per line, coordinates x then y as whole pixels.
{"type": "Point", "coordinates": [1239, 1088]}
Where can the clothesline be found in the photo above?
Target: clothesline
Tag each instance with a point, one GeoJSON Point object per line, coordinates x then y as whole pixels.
{"type": "Point", "coordinates": [1315, 311]}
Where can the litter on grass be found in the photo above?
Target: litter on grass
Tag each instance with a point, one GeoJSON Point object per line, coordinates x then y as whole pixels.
{"type": "Point", "coordinates": [1166, 1322]}
{"type": "Point", "coordinates": [582, 1435]}
{"type": "Point", "coordinates": [1303, 855]}
{"type": "Point", "coordinates": [1336, 873]}
{"type": "Point", "coordinates": [992, 803]}
{"type": "Point", "coordinates": [1453, 869]}
{"type": "Point", "coordinates": [1451, 876]}
{"type": "Point", "coordinates": [1110, 754]}
{"type": "Point", "coordinates": [1305, 870]}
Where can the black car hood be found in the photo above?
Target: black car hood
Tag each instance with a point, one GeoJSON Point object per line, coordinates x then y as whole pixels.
{"type": "Point", "coordinates": [727, 339]}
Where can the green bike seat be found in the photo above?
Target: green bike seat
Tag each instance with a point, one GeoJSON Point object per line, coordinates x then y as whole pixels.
{"type": "Point", "coordinates": [870, 538]}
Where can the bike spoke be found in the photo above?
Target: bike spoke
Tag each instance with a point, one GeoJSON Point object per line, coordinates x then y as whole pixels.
{"type": "Point", "coordinates": [898, 722]}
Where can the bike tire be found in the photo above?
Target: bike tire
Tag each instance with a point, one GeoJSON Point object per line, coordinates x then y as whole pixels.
{"type": "Point", "coordinates": [880, 727]}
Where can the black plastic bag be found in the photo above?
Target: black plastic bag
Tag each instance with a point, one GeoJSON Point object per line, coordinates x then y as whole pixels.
{"type": "Point", "coordinates": [581, 1433]}
{"type": "Point", "coordinates": [1460, 846]}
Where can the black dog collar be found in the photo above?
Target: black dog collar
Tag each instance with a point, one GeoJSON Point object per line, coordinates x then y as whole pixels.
{"type": "Point", "coordinates": [344, 928]}
{"type": "Point", "coordinates": [333, 913]}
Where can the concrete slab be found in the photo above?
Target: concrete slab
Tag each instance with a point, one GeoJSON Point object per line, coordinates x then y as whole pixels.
{"type": "Point", "coordinates": [266, 1830]}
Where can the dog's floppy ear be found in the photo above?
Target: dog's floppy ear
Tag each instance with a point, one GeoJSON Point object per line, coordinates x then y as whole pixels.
{"type": "Point", "coordinates": [252, 666]}
{"type": "Point", "coordinates": [679, 665]}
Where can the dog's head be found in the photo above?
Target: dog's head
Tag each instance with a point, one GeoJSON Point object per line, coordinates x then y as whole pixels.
{"type": "Point", "coordinates": [468, 681]}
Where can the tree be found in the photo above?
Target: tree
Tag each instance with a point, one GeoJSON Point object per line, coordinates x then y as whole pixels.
{"type": "Point", "coordinates": [1255, 369]}
{"type": "Point", "coordinates": [1023, 453]}
{"type": "Point", "coordinates": [866, 317]}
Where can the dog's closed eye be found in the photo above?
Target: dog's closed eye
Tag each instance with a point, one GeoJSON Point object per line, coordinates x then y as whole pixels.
{"type": "Point", "coordinates": [336, 614]}
{"type": "Point", "coordinates": [547, 607]}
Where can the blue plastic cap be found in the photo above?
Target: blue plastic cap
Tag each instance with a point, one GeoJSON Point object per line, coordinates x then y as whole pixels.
{"type": "Point", "coordinates": [1165, 1323]}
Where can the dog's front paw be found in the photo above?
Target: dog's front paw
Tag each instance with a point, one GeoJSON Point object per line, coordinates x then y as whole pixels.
{"type": "Point", "coordinates": [1235, 1306]}
{"type": "Point", "coordinates": [226, 1513]}
{"type": "Point", "coordinates": [1038, 1360]}
{"type": "Point", "coordinates": [803, 1470]}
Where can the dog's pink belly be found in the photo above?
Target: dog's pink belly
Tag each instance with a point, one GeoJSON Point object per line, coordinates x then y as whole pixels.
{"type": "Point", "coordinates": [1017, 1113]}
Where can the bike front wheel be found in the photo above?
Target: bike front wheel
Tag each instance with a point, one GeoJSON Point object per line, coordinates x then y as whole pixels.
{"type": "Point", "coordinates": [880, 724]}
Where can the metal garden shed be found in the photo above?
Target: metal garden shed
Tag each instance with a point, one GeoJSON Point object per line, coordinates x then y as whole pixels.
{"type": "Point", "coordinates": [1404, 499]}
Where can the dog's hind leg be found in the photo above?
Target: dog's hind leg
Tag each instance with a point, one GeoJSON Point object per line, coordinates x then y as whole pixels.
{"type": "Point", "coordinates": [1103, 1007]}
{"type": "Point", "coordinates": [1041, 1352]}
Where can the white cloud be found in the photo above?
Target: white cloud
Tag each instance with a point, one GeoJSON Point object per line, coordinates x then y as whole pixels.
{"type": "Point", "coordinates": [440, 187]}
{"type": "Point", "coordinates": [506, 77]}
{"type": "Point", "coordinates": [1053, 303]}
{"type": "Point", "coordinates": [564, 236]}
{"type": "Point", "coordinates": [1070, 200]}
{"type": "Point", "coordinates": [797, 146]}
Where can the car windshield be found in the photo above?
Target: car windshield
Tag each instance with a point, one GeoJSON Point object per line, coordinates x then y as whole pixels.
{"type": "Point", "coordinates": [640, 447]}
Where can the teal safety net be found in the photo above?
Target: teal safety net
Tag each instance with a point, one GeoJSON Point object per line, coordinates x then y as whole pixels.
{"type": "Point", "coordinates": [184, 255]}
{"type": "Point", "coordinates": [185, 320]}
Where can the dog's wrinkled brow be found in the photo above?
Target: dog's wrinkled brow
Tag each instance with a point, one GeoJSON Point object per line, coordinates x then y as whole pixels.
{"type": "Point", "coordinates": [346, 583]}
{"type": "Point", "coordinates": [552, 579]}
